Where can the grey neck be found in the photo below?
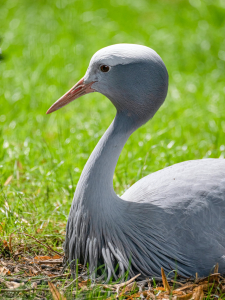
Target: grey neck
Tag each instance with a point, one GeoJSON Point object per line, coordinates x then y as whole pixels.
{"type": "Point", "coordinates": [95, 187]}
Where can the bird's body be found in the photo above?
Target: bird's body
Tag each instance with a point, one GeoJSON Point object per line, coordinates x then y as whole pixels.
{"type": "Point", "coordinates": [173, 218]}
{"type": "Point", "coordinates": [189, 199]}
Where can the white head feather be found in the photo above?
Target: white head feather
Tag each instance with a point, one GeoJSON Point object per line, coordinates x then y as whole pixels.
{"type": "Point", "coordinates": [121, 54]}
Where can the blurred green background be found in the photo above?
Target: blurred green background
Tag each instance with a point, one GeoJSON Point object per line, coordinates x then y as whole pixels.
{"type": "Point", "coordinates": [46, 47]}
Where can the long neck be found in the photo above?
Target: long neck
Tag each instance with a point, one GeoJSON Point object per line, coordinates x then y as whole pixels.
{"type": "Point", "coordinates": [96, 181]}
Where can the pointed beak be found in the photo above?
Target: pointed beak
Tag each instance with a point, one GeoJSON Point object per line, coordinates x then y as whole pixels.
{"type": "Point", "coordinates": [78, 90]}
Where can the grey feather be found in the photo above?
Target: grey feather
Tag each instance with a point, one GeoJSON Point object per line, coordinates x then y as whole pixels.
{"type": "Point", "coordinates": [173, 218]}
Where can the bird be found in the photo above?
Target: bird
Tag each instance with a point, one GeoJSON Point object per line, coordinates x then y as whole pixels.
{"type": "Point", "coordinates": [173, 218]}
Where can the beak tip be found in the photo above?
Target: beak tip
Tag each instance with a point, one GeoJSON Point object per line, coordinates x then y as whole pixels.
{"type": "Point", "coordinates": [50, 110]}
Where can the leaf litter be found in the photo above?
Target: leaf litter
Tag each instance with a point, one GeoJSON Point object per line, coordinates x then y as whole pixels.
{"type": "Point", "coordinates": [23, 271]}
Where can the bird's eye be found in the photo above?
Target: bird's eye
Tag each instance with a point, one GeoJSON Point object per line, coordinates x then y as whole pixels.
{"type": "Point", "coordinates": [104, 68]}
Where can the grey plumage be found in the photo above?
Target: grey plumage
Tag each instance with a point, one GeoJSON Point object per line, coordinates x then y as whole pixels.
{"type": "Point", "coordinates": [173, 218]}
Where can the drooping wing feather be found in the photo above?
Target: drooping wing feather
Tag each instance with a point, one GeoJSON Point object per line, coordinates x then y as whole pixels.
{"type": "Point", "coordinates": [187, 206]}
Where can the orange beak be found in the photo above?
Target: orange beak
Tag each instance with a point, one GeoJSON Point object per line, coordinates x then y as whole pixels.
{"type": "Point", "coordinates": [78, 90]}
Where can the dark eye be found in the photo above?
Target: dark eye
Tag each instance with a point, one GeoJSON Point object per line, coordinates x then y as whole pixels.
{"type": "Point", "coordinates": [104, 68]}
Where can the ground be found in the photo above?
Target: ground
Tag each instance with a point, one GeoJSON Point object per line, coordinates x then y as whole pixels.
{"type": "Point", "coordinates": [45, 49]}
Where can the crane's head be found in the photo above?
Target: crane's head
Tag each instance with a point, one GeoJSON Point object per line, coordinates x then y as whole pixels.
{"type": "Point", "coordinates": [133, 77]}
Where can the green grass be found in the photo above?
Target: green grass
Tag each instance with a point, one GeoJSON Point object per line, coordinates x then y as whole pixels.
{"type": "Point", "coordinates": [46, 48]}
